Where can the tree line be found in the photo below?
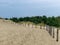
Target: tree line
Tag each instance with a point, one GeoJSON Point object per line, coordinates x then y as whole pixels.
{"type": "Point", "coordinates": [51, 21]}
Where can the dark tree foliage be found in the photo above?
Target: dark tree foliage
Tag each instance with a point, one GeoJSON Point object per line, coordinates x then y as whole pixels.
{"type": "Point", "coordinates": [6, 18]}
{"type": "Point", "coordinates": [21, 19]}
{"type": "Point", "coordinates": [44, 19]}
{"type": "Point", "coordinates": [51, 21]}
{"type": "Point", "coordinates": [15, 19]}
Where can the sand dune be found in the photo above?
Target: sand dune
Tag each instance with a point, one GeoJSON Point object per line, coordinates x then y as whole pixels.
{"type": "Point", "coordinates": [15, 34]}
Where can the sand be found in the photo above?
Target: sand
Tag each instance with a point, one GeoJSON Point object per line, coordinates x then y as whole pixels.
{"type": "Point", "coordinates": [15, 34]}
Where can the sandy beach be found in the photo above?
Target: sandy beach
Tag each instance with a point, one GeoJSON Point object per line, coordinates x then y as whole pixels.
{"type": "Point", "coordinates": [15, 34]}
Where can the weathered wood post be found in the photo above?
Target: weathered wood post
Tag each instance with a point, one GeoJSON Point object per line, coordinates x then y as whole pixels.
{"type": "Point", "coordinates": [50, 30]}
{"type": "Point", "coordinates": [25, 24]}
{"type": "Point", "coordinates": [28, 24]}
{"type": "Point", "coordinates": [53, 32]}
{"type": "Point", "coordinates": [32, 25]}
{"type": "Point", "coordinates": [57, 36]}
{"type": "Point", "coordinates": [35, 26]}
{"type": "Point", "coordinates": [40, 26]}
{"type": "Point", "coordinates": [47, 27]}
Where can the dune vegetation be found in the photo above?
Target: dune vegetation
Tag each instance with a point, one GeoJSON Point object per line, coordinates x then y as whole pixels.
{"type": "Point", "coordinates": [51, 21]}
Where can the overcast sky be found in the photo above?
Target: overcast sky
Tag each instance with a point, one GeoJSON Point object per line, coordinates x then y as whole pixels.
{"type": "Point", "coordinates": [21, 8]}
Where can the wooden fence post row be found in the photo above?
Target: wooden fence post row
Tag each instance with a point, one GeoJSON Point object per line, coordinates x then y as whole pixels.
{"type": "Point", "coordinates": [53, 32]}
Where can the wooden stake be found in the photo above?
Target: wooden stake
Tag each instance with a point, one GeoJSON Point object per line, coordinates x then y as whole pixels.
{"type": "Point", "coordinates": [57, 35]}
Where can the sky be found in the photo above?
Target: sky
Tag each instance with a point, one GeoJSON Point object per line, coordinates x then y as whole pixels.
{"type": "Point", "coordinates": [23, 8]}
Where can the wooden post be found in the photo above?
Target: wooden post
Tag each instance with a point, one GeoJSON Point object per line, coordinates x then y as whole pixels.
{"type": "Point", "coordinates": [28, 24]}
{"type": "Point", "coordinates": [32, 25]}
{"type": "Point", "coordinates": [50, 30]}
{"type": "Point", "coordinates": [53, 32]}
{"type": "Point", "coordinates": [40, 27]}
{"type": "Point", "coordinates": [57, 35]}
{"type": "Point", "coordinates": [35, 26]}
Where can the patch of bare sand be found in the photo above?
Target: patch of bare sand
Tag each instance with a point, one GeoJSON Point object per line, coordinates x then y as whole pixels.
{"type": "Point", "coordinates": [14, 34]}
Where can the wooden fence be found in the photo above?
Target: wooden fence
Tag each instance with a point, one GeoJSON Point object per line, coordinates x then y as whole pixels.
{"type": "Point", "coordinates": [53, 31]}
